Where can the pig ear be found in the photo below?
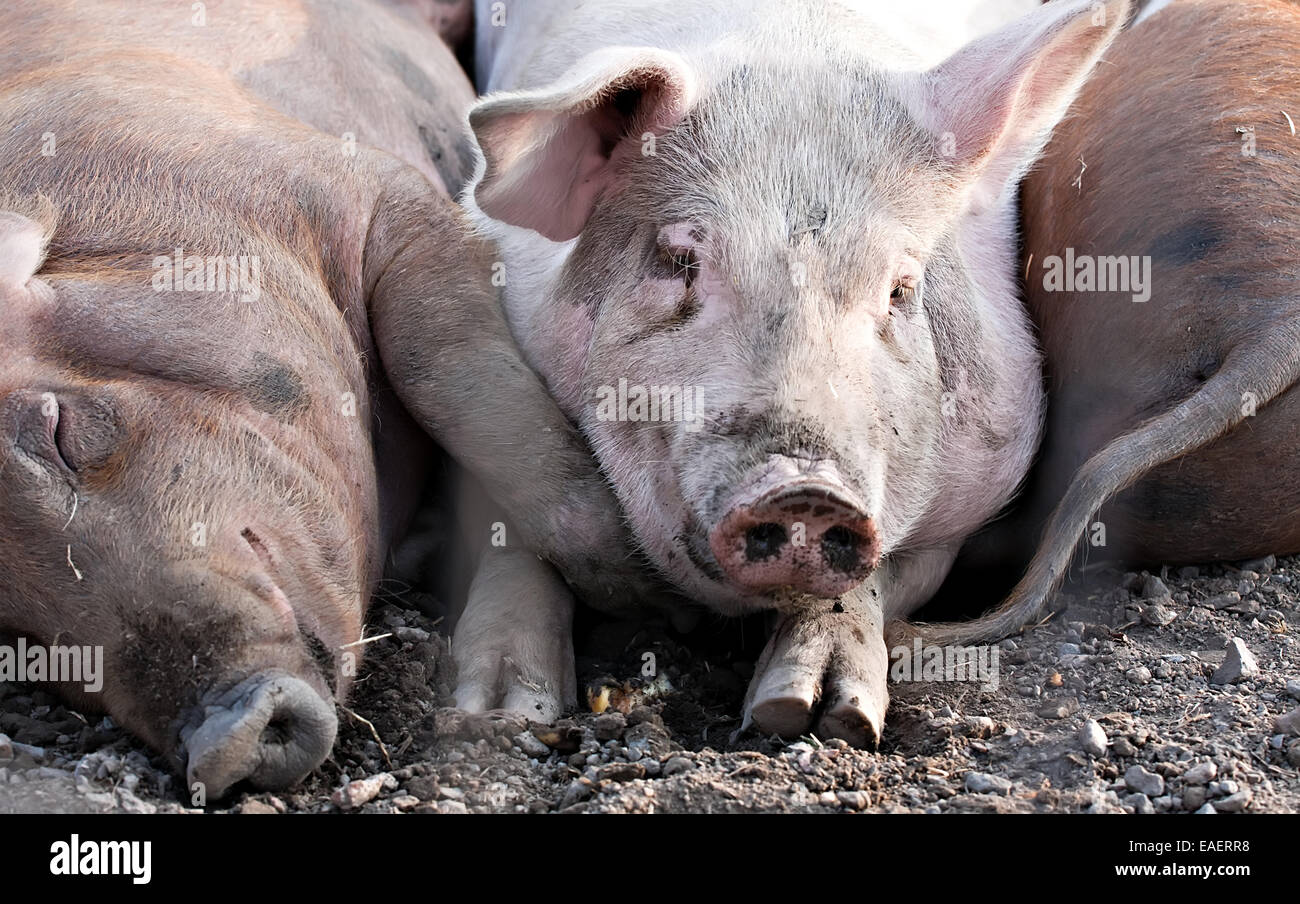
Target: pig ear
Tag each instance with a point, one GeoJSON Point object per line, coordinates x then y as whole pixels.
{"type": "Point", "coordinates": [22, 248]}
{"type": "Point", "coordinates": [548, 155]}
{"type": "Point", "coordinates": [996, 101]}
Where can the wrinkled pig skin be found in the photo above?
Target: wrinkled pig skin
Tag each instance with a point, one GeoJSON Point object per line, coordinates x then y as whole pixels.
{"type": "Point", "coordinates": [1174, 422]}
{"type": "Point", "coordinates": [189, 477]}
{"type": "Point", "coordinates": [803, 212]}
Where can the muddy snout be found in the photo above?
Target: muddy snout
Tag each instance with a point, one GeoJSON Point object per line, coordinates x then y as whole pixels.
{"type": "Point", "coordinates": [271, 729]}
{"type": "Point", "coordinates": [810, 535]}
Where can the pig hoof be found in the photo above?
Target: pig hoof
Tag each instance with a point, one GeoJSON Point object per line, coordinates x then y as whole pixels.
{"type": "Point", "coordinates": [271, 729]}
{"type": "Point", "coordinates": [538, 699]}
{"type": "Point", "coordinates": [822, 670]}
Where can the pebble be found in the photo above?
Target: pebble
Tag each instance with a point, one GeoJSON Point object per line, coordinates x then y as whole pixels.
{"type": "Point", "coordinates": [1238, 664]}
{"type": "Point", "coordinates": [6, 749]}
{"type": "Point", "coordinates": [1122, 746]}
{"type": "Point", "coordinates": [451, 807]}
{"type": "Point", "coordinates": [677, 765]}
{"type": "Point", "coordinates": [531, 746]}
{"type": "Point", "coordinates": [1193, 797]}
{"type": "Point", "coordinates": [1289, 723]}
{"type": "Point", "coordinates": [1159, 616]}
{"type": "Point", "coordinates": [1067, 649]}
{"type": "Point", "coordinates": [254, 807]}
{"type": "Point", "coordinates": [1141, 804]}
{"type": "Point", "coordinates": [362, 791]}
{"type": "Point", "coordinates": [854, 800]}
{"type": "Point", "coordinates": [1140, 781]}
{"type": "Point", "coordinates": [1092, 738]}
{"type": "Point", "coordinates": [1201, 773]}
{"type": "Point", "coordinates": [406, 802]}
{"type": "Point", "coordinates": [983, 783]}
{"type": "Point", "coordinates": [1233, 803]}
{"type": "Point", "coordinates": [1206, 810]}
{"type": "Point", "coordinates": [1139, 675]}
{"type": "Point", "coordinates": [1293, 754]}
{"type": "Point", "coordinates": [1154, 589]}
{"type": "Point", "coordinates": [1262, 566]}
{"type": "Point", "coordinates": [1292, 688]}
{"type": "Point", "coordinates": [609, 726]}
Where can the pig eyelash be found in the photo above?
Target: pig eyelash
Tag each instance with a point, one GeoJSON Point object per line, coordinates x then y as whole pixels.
{"type": "Point", "coordinates": [683, 264]}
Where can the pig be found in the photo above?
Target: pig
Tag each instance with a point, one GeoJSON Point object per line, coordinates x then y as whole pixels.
{"type": "Point", "coordinates": [793, 224]}
{"type": "Point", "coordinates": [215, 226]}
{"type": "Point", "coordinates": [1173, 418]}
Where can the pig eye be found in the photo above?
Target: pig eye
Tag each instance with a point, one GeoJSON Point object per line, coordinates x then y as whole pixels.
{"type": "Point", "coordinates": [681, 263]}
{"type": "Point", "coordinates": [901, 292]}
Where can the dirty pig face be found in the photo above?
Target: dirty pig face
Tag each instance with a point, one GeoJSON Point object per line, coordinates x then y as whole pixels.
{"type": "Point", "coordinates": [743, 333]}
{"type": "Point", "coordinates": [170, 493]}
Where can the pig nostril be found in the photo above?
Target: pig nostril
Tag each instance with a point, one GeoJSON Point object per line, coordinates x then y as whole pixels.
{"type": "Point", "coordinates": [840, 549]}
{"type": "Point", "coordinates": [764, 541]}
{"type": "Point", "coordinates": [278, 731]}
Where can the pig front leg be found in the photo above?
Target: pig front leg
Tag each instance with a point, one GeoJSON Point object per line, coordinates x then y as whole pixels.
{"type": "Point", "coordinates": [513, 645]}
{"type": "Point", "coordinates": [827, 661]}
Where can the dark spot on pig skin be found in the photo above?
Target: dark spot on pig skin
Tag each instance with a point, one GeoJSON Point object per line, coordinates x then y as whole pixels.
{"type": "Point", "coordinates": [859, 636]}
{"type": "Point", "coordinates": [432, 147]}
{"type": "Point", "coordinates": [1186, 244]}
{"type": "Point", "coordinates": [412, 76]}
{"type": "Point", "coordinates": [275, 387]}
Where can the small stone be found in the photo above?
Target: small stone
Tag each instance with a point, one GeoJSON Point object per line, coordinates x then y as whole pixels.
{"type": "Point", "coordinates": [1189, 573]}
{"type": "Point", "coordinates": [609, 726]}
{"type": "Point", "coordinates": [1193, 797]}
{"type": "Point", "coordinates": [532, 746]}
{"type": "Point", "coordinates": [621, 772]}
{"type": "Point", "coordinates": [1092, 738]}
{"type": "Point", "coordinates": [1223, 600]}
{"type": "Point", "coordinates": [1238, 664]}
{"type": "Point", "coordinates": [1067, 649]}
{"type": "Point", "coordinates": [6, 749]}
{"type": "Point", "coordinates": [413, 635]}
{"type": "Point", "coordinates": [1159, 616]}
{"type": "Point", "coordinates": [362, 791]}
{"type": "Point", "coordinates": [1056, 709]}
{"type": "Point", "coordinates": [1139, 675]}
{"type": "Point", "coordinates": [1138, 780]}
{"type": "Point", "coordinates": [451, 794]}
{"type": "Point", "coordinates": [406, 802]}
{"type": "Point", "coordinates": [854, 800]}
{"type": "Point", "coordinates": [1288, 723]}
{"type": "Point", "coordinates": [451, 808]}
{"type": "Point", "coordinates": [983, 783]}
{"type": "Point", "coordinates": [1206, 810]}
{"type": "Point", "coordinates": [828, 799]}
{"type": "Point", "coordinates": [1154, 589]}
{"type": "Point", "coordinates": [1292, 688]}
{"type": "Point", "coordinates": [1234, 803]}
{"type": "Point", "coordinates": [1201, 773]}
{"type": "Point", "coordinates": [677, 765]}
{"type": "Point", "coordinates": [255, 807]}
{"type": "Point", "coordinates": [1141, 804]}
{"type": "Point", "coordinates": [1122, 746]}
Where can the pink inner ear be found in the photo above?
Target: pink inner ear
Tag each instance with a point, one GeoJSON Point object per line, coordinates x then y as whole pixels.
{"type": "Point", "coordinates": [548, 168]}
{"type": "Point", "coordinates": [22, 242]}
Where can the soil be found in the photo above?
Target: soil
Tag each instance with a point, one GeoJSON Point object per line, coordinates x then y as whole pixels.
{"type": "Point", "coordinates": [1134, 653]}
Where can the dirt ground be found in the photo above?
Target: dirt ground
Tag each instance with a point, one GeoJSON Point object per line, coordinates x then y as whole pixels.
{"type": "Point", "coordinates": [1127, 661]}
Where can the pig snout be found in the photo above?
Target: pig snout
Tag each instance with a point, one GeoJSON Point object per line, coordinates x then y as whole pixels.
{"type": "Point", "coordinates": [809, 534]}
{"type": "Point", "coordinates": [271, 729]}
